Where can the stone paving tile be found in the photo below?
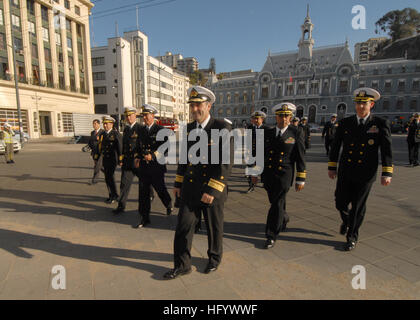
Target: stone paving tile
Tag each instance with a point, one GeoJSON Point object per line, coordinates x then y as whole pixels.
{"type": "Point", "coordinates": [400, 267]}
{"type": "Point", "coordinates": [412, 256]}
{"type": "Point", "coordinates": [401, 238]}
{"type": "Point", "coordinates": [385, 245]}
{"type": "Point", "coordinates": [368, 253]}
{"type": "Point", "coordinates": [213, 290]}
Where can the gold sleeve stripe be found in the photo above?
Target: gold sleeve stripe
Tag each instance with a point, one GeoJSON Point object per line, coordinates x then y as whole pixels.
{"type": "Point", "coordinates": [332, 164]}
{"type": "Point", "coordinates": [388, 169]}
{"type": "Point", "coordinates": [301, 174]}
{"type": "Point", "coordinates": [121, 157]}
{"type": "Point", "coordinates": [179, 179]}
{"type": "Point", "coordinates": [216, 185]}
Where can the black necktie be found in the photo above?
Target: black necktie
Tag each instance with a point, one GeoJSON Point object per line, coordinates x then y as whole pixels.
{"type": "Point", "coordinates": [361, 123]}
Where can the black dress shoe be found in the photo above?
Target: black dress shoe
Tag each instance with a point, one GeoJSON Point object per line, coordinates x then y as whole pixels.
{"type": "Point", "coordinates": [269, 243]}
{"type": "Point", "coordinates": [12, 161]}
{"type": "Point", "coordinates": [343, 229]}
{"type": "Point", "coordinates": [415, 164]}
{"type": "Point", "coordinates": [141, 224]}
{"type": "Point", "coordinates": [169, 211]}
{"type": "Point", "coordinates": [118, 210]}
{"type": "Point", "coordinates": [350, 245]}
{"type": "Point", "coordinates": [197, 229]}
{"type": "Point", "coordinates": [210, 268]}
{"type": "Point", "coordinates": [175, 273]}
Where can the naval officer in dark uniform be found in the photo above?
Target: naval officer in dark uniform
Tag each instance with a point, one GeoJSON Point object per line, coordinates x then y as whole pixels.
{"type": "Point", "coordinates": [307, 132]}
{"type": "Point", "coordinates": [257, 122]}
{"type": "Point", "coordinates": [152, 172]}
{"type": "Point", "coordinates": [284, 150]}
{"type": "Point", "coordinates": [110, 150]}
{"type": "Point", "coordinates": [93, 145]}
{"type": "Point", "coordinates": [128, 168]}
{"type": "Point", "coordinates": [413, 140]}
{"type": "Point", "coordinates": [201, 184]}
{"type": "Point", "coordinates": [360, 136]}
{"type": "Point", "coordinates": [328, 132]}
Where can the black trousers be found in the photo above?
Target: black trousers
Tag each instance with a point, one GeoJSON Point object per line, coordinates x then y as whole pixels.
{"type": "Point", "coordinates": [327, 143]}
{"type": "Point", "coordinates": [277, 212]}
{"type": "Point", "coordinates": [413, 152]}
{"type": "Point", "coordinates": [97, 169]}
{"type": "Point", "coordinates": [356, 193]}
{"type": "Point", "coordinates": [187, 220]}
{"type": "Point", "coordinates": [155, 178]}
{"type": "Point", "coordinates": [127, 176]}
{"type": "Point", "coordinates": [109, 170]}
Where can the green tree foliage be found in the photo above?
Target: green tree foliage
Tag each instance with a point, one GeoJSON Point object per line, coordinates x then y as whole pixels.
{"type": "Point", "coordinates": [399, 24]}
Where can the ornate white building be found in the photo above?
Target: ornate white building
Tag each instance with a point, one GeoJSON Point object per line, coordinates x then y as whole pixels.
{"type": "Point", "coordinates": [319, 81]}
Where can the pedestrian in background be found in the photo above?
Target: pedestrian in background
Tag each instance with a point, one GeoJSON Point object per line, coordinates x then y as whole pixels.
{"type": "Point", "coordinates": [8, 140]}
{"type": "Point", "coordinates": [413, 140]}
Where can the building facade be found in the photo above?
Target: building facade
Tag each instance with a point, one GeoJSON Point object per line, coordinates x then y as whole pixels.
{"type": "Point", "coordinates": [125, 75]}
{"type": "Point", "coordinates": [319, 81]}
{"type": "Point", "coordinates": [181, 107]}
{"type": "Point", "coordinates": [364, 51]}
{"type": "Point", "coordinates": [53, 63]}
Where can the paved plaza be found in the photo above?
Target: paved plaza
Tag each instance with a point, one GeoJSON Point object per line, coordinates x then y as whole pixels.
{"type": "Point", "coordinates": [49, 216]}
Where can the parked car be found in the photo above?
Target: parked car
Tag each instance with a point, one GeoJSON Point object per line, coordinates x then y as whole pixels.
{"type": "Point", "coordinates": [397, 127]}
{"type": "Point", "coordinates": [16, 146]}
{"type": "Point", "coordinates": [17, 136]}
{"type": "Point", "coordinates": [315, 128]}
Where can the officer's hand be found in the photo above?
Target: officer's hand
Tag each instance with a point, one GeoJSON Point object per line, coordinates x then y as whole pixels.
{"type": "Point", "coordinates": [177, 192]}
{"type": "Point", "coordinates": [120, 164]}
{"type": "Point", "coordinates": [206, 198]}
{"type": "Point", "coordinates": [332, 174]}
{"type": "Point", "coordinates": [137, 163]}
{"type": "Point", "coordinates": [148, 157]}
{"type": "Point", "coordinates": [299, 187]}
{"type": "Point", "coordinates": [254, 180]}
{"type": "Point", "coordinates": [385, 181]}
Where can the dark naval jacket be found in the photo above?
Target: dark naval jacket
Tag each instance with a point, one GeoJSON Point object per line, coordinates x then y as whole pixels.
{"type": "Point", "coordinates": [147, 144]}
{"type": "Point", "coordinates": [196, 179]}
{"type": "Point", "coordinates": [129, 146]}
{"type": "Point", "coordinates": [110, 147]}
{"type": "Point", "coordinates": [360, 145]}
{"type": "Point", "coordinates": [254, 136]}
{"type": "Point", "coordinates": [282, 155]}
{"type": "Point", "coordinates": [94, 141]}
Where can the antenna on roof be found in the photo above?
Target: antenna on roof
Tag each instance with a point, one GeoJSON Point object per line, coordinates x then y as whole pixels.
{"type": "Point", "coordinates": [137, 18]}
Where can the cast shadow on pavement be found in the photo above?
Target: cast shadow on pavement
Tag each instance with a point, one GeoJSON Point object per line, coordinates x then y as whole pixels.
{"type": "Point", "coordinates": [15, 242]}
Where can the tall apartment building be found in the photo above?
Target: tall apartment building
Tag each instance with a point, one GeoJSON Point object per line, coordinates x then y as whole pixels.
{"type": "Point", "coordinates": [125, 75]}
{"type": "Point", "coordinates": [187, 65]}
{"type": "Point", "coordinates": [364, 51]}
{"type": "Point", "coordinates": [181, 107]}
{"type": "Point", "coordinates": [170, 59]}
{"type": "Point", "coordinates": [52, 50]}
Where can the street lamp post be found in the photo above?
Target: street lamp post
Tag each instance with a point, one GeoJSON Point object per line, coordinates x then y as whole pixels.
{"type": "Point", "coordinates": [36, 98]}
{"type": "Point", "coordinates": [16, 76]}
{"type": "Point", "coordinates": [118, 44]}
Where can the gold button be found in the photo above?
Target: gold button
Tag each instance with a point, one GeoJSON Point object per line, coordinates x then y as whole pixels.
{"type": "Point", "coordinates": [269, 167]}
{"type": "Point", "coordinates": [222, 177]}
{"type": "Point", "coordinates": [361, 152]}
{"type": "Point", "coordinates": [190, 180]}
{"type": "Point", "coordinates": [351, 145]}
{"type": "Point", "coordinates": [204, 166]}
{"type": "Point", "coordinates": [191, 172]}
{"type": "Point", "coordinates": [279, 168]}
{"type": "Point", "coordinates": [363, 145]}
{"type": "Point", "coordinates": [350, 152]}
{"type": "Point", "coordinates": [271, 151]}
{"type": "Point", "coordinates": [349, 160]}
{"type": "Point", "coordinates": [282, 153]}
{"type": "Point", "coordinates": [280, 160]}
{"type": "Point", "coordinates": [204, 175]}
{"type": "Point", "coordinates": [269, 158]}
{"type": "Point", "coordinates": [360, 161]}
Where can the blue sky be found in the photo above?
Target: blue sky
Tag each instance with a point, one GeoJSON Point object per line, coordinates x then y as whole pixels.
{"type": "Point", "coordinates": [238, 33]}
